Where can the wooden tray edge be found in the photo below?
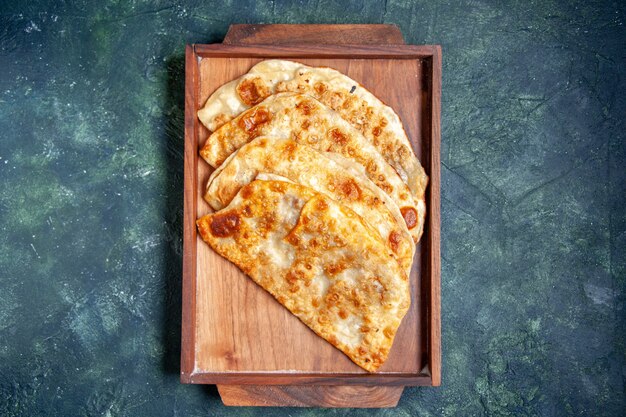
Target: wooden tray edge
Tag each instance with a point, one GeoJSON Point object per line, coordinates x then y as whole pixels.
{"type": "Point", "coordinates": [365, 34]}
{"type": "Point", "coordinates": [272, 378]}
{"type": "Point", "coordinates": [310, 396]}
{"type": "Point", "coordinates": [356, 51]}
{"type": "Point", "coordinates": [189, 218]}
{"type": "Point", "coordinates": [434, 225]}
{"type": "Point", "coordinates": [430, 376]}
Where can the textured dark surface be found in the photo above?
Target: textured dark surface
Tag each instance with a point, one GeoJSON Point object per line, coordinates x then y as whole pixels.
{"type": "Point", "coordinates": [533, 197]}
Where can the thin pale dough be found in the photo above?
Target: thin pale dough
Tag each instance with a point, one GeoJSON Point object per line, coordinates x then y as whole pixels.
{"type": "Point", "coordinates": [319, 260]}
{"type": "Point", "coordinates": [377, 121]}
{"type": "Point", "coordinates": [288, 159]}
{"type": "Point", "coordinates": [307, 121]}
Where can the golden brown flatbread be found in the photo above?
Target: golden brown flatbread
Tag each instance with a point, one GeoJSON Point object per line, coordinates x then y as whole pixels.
{"type": "Point", "coordinates": [303, 165]}
{"type": "Point", "coordinates": [307, 121]}
{"type": "Point", "coordinates": [364, 111]}
{"type": "Point", "coordinates": [320, 260]}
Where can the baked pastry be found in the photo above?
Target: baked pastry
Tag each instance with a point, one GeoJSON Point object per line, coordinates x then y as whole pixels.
{"type": "Point", "coordinates": [320, 260]}
{"type": "Point", "coordinates": [303, 165]}
{"type": "Point", "coordinates": [307, 121]}
{"type": "Point", "coordinates": [364, 111]}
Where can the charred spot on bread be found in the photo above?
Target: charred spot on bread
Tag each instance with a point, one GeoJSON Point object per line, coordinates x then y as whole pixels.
{"type": "Point", "coordinates": [350, 189]}
{"type": "Point", "coordinates": [394, 240]}
{"type": "Point", "coordinates": [410, 216]}
{"type": "Point", "coordinates": [252, 91]}
{"type": "Point", "coordinates": [251, 120]}
{"type": "Point", "coordinates": [338, 137]}
{"type": "Point", "coordinates": [305, 107]}
{"type": "Point", "coordinates": [225, 224]}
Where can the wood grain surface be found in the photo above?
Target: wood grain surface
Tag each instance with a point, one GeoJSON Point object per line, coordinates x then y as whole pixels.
{"type": "Point", "coordinates": [257, 325]}
{"type": "Point", "coordinates": [238, 333]}
{"type": "Point", "coordinates": [187, 361]}
{"type": "Point", "coordinates": [310, 396]}
{"type": "Point", "coordinates": [432, 285]}
{"type": "Point", "coordinates": [314, 34]}
{"type": "Point", "coordinates": [328, 52]}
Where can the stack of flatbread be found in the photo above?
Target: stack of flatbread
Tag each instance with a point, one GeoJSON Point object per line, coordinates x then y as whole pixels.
{"type": "Point", "coordinates": [319, 198]}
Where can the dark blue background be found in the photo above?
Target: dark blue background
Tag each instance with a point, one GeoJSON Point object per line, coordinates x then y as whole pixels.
{"type": "Point", "coordinates": [533, 197]}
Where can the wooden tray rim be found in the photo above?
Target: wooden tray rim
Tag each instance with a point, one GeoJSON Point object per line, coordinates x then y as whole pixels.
{"type": "Point", "coordinates": [346, 51]}
{"type": "Point", "coordinates": [430, 375]}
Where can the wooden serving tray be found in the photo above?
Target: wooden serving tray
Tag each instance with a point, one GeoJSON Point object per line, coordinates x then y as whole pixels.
{"type": "Point", "coordinates": [234, 333]}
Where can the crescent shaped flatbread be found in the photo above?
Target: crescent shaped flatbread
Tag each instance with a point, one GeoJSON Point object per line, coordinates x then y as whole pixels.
{"type": "Point", "coordinates": [319, 260]}
{"type": "Point", "coordinates": [288, 159]}
{"type": "Point", "coordinates": [307, 121]}
{"type": "Point", "coordinates": [364, 111]}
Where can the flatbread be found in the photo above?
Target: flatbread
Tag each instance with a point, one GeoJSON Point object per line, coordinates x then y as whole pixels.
{"type": "Point", "coordinates": [297, 163]}
{"type": "Point", "coordinates": [307, 121]}
{"type": "Point", "coordinates": [319, 260]}
{"type": "Point", "coordinates": [364, 111]}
